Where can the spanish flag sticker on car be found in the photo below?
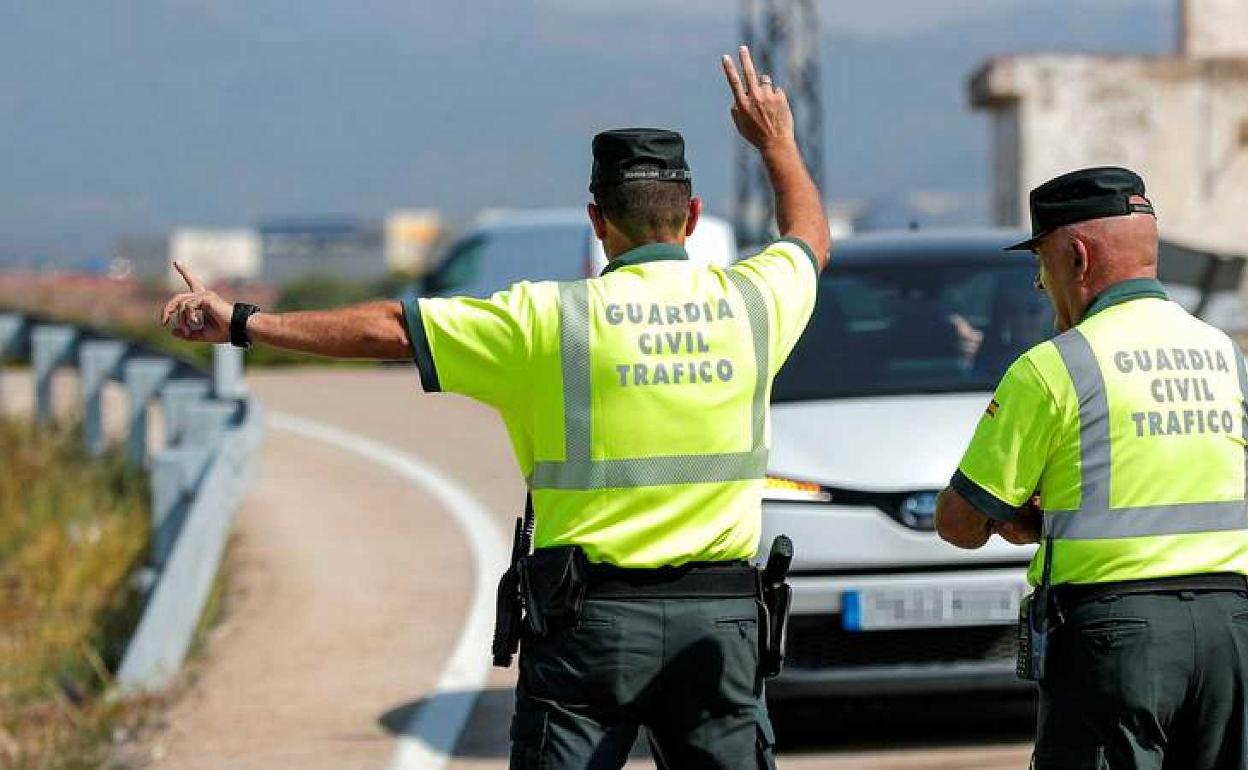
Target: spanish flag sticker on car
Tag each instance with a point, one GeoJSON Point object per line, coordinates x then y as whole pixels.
{"type": "Point", "coordinates": [993, 406]}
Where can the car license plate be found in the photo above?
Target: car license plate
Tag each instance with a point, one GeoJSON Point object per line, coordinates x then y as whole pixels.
{"type": "Point", "coordinates": [874, 609]}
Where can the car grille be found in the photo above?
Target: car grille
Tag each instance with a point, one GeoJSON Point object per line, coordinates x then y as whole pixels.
{"type": "Point", "coordinates": [819, 641]}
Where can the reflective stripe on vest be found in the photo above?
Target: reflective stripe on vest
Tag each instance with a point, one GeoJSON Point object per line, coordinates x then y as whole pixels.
{"type": "Point", "coordinates": [580, 471]}
{"type": "Point", "coordinates": [1095, 520]}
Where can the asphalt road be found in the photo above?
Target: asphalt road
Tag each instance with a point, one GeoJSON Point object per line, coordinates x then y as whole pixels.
{"type": "Point", "coordinates": [352, 590]}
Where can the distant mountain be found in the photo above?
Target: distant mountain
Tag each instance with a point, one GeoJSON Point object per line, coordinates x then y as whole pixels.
{"type": "Point", "coordinates": [153, 114]}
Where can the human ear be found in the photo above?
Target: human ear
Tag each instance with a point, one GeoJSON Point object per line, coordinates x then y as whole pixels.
{"type": "Point", "coordinates": [597, 220]}
{"type": "Point", "coordinates": [1079, 259]}
{"type": "Point", "coordinates": [695, 211]}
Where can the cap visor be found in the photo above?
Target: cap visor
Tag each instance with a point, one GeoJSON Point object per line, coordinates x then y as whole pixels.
{"type": "Point", "coordinates": [1026, 245]}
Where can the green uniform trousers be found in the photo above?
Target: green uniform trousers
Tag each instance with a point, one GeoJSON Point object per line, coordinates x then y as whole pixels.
{"type": "Point", "coordinates": [686, 669]}
{"type": "Point", "coordinates": [1147, 681]}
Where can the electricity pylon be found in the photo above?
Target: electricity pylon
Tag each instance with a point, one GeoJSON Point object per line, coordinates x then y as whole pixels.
{"type": "Point", "coordinates": [783, 36]}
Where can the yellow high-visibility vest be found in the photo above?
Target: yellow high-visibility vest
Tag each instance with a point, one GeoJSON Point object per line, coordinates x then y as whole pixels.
{"type": "Point", "coordinates": [636, 402]}
{"type": "Point", "coordinates": [1132, 428]}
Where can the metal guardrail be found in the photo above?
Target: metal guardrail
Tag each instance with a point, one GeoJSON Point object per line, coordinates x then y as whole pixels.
{"type": "Point", "coordinates": [212, 431]}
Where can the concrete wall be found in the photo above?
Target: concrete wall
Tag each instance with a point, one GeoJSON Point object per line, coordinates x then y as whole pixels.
{"type": "Point", "coordinates": [1213, 28]}
{"type": "Point", "coordinates": [1181, 123]}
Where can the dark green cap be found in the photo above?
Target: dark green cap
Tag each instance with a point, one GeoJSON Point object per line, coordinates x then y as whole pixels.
{"type": "Point", "coordinates": [625, 154]}
{"type": "Point", "coordinates": [1089, 193]}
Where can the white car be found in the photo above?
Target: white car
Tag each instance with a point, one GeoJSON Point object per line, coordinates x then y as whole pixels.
{"type": "Point", "coordinates": [871, 414]}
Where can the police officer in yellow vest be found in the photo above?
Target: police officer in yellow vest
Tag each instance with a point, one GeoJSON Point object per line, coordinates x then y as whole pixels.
{"type": "Point", "coordinates": [636, 404]}
{"type": "Point", "coordinates": [1119, 445]}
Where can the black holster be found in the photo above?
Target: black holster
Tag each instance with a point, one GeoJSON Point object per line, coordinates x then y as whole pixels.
{"type": "Point", "coordinates": [552, 586]}
{"type": "Point", "coordinates": [509, 603]}
{"type": "Point", "coordinates": [1036, 619]}
{"type": "Point", "coordinates": [777, 600]}
{"type": "Point", "coordinates": [508, 606]}
{"type": "Point", "coordinates": [1033, 636]}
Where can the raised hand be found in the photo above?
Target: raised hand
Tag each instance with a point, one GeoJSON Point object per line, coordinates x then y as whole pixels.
{"type": "Point", "coordinates": [759, 109]}
{"type": "Point", "coordinates": [197, 315]}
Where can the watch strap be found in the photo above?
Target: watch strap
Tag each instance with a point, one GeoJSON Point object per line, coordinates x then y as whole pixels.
{"type": "Point", "coordinates": [238, 324]}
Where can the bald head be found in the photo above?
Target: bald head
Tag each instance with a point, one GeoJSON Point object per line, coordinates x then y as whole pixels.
{"type": "Point", "coordinates": [1116, 248]}
{"type": "Point", "coordinates": [1079, 261]}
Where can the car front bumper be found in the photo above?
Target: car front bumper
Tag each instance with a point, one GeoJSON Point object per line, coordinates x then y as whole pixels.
{"type": "Point", "coordinates": [871, 681]}
{"type": "Point", "coordinates": [824, 658]}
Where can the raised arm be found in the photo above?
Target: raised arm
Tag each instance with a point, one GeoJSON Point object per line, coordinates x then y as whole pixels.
{"type": "Point", "coordinates": [763, 118]}
{"type": "Point", "coordinates": [366, 330]}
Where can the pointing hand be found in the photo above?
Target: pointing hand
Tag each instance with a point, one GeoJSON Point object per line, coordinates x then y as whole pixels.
{"type": "Point", "coordinates": [197, 315]}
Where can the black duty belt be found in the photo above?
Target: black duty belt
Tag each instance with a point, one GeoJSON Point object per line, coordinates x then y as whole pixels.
{"type": "Point", "coordinates": [1075, 593]}
{"type": "Point", "coordinates": [722, 580]}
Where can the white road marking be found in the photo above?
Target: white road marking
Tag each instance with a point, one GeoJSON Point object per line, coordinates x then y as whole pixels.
{"type": "Point", "coordinates": [429, 739]}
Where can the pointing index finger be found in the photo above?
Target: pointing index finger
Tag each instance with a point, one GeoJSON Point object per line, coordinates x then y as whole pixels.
{"type": "Point", "coordinates": [192, 282]}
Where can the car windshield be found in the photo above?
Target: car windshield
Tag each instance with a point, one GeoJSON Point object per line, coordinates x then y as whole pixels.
{"type": "Point", "coordinates": [934, 327]}
{"type": "Point", "coordinates": [491, 261]}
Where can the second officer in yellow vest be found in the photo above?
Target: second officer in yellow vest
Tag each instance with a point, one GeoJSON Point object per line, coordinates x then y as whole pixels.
{"type": "Point", "coordinates": [1120, 446]}
{"type": "Point", "coordinates": [636, 403]}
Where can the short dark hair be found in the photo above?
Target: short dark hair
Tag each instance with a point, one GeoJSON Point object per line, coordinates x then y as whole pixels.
{"type": "Point", "coordinates": [644, 209]}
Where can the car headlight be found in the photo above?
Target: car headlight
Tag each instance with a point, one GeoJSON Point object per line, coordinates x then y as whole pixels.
{"type": "Point", "coordinates": [913, 510]}
{"type": "Point", "coordinates": [779, 488]}
{"type": "Point", "coordinates": [918, 511]}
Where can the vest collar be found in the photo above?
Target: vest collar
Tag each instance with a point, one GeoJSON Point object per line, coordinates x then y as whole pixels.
{"type": "Point", "coordinates": [1125, 291]}
{"type": "Point", "coordinates": [650, 252]}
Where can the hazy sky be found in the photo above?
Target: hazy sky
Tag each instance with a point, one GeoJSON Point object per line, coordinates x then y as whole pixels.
{"type": "Point", "coordinates": [134, 116]}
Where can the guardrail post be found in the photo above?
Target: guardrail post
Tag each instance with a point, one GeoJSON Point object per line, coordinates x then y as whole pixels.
{"type": "Point", "coordinates": [207, 422]}
{"type": "Point", "coordinates": [167, 487]}
{"type": "Point", "coordinates": [98, 362]}
{"type": "Point", "coordinates": [173, 475]}
{"type": "Point", "coordinates": [227, 372]}
{"type": "Point", "coordinates": [11, 327]}
{"type": "Point", "coordinates": [177, 397]}
{"type": "Point", "coordinates": [51, 346]}
{"type": "Point", "coordinates": [143, 376]}
{"type": "Point", "coordinates": [12, 339]}
{"type": "Point", "coordinates": [201, 426]}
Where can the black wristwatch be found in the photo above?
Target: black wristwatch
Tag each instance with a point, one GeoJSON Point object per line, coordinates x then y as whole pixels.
{"type": "Point", "coordinates": [238, 324]}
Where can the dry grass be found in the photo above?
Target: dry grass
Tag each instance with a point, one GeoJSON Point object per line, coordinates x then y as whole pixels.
{"type": "Point", "coordinates": [72, 530]}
